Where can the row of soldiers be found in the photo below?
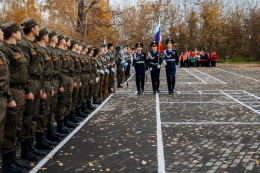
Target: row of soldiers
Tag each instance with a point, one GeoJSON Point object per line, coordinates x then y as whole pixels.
{"type": "Point", "coordinates": [46, 77]}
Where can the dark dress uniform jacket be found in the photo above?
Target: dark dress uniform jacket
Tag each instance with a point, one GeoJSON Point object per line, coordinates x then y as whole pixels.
{"type": "Point", "coordinates": [171, 58]}
{"type": "Point", "coordinates": [153, 59]}
{"type": "Point", "coordinates": [140, 63]}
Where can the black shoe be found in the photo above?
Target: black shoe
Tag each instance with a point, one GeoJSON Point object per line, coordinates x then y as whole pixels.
{"type": "Point", "coordinates": [61, 128]}
{"type": "Point", "coordinates": [18, 162]}
{"type": "Point", "coordinates": [80, 114]}
{"type": "Point", "coordinates": [8, 165]}
{"type": "Point", "coordinates": [154, 92]}
{"type": "Point", "coordinates": [27, 152]}
{"type": "Point", "coordinates": [169, 92]}
{"type": "Point", "coordinates": [139, 92]}
{"type": "Point", "coordinates": [53, 135]}
{"type": "Point", "coordinates": [172, 91]}
{"type": "Point", "coordinates": [158, 91]}
{"type": "Point", "coordinates": [110, 91]}
{"type": "Point", "coordinates": [96, 102]}
{"type": "Point", "coordinates": [99, 100]}
{"type": "Point", "coordinates": [84, 109]}
{"type": "Point", "coordinates": [36, 151]}
{"type": "Point", "coordinates": [90, 106]}
{"type": "Point", "coordinates": [73, 118]}
{"type": "Point", "coordinates": [119, 86]}
{"type": "Point", "coordinates": [49, 141]}
{"type": "Point", "coordinates": [41, 144]}
{"type": "Point", "coordinates": [68, 123]}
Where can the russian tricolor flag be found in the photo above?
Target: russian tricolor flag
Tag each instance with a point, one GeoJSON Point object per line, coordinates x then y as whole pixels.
{"type": "Point", "coordinates": [158, 37]}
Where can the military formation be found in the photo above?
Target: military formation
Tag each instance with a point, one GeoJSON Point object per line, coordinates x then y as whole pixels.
{"type": "Point", "coordinates": [46, 78]}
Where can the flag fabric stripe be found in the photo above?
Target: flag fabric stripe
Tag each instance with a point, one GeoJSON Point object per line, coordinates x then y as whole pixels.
{"type": "Point", "coordinates": [158, 37]}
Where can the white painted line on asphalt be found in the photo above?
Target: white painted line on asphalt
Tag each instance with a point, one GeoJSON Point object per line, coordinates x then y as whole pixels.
{"type": "Point", "coordinates": [200, 92]}
{"type": "Point", "coordinates": [210, 76]}
{"type": "Point", "coordinates": [201, 102]}
{"type": "Point", "coordinates": [195, 76]}
{"type": "Point", "coordinates": [209, 123]}
{"type": "Point", "coordinates": [237, 74]}
{"type": "Point", "coordinates": [160, 150]}
{"type": "Point", "coordinates": [240, 102]}
{"type": "Point", "coordinates": [252, 94]}
{"type": "Point", "coordinates": [58, 147]}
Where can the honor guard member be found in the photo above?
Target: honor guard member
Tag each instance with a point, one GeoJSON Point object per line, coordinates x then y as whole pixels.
{"type": "Point", "coordinates": [111, 80]}
{"type": "Point", "coordinates": [119, 67]}
{"type": "Point", "coordinates": [171, 60]}
{"type": "Point", "coordinates": [97, 64]}
{"type": "Point", "coordinates": [45, 115]}
{"type": "Point", "coordinates": [127, 60]}
{"type": "Point", "coordinates": [36, 83]}
{"type": "Point", "coordinates": [18, 87]}
{"type": "Point", "coordinates": [56, 83]}
{"type": "Point", "coordinates": [105, 61]}
{"type": "Point", "coordinates": [154, 61]}
{"type": "Point", "coordinates": [140, 67]}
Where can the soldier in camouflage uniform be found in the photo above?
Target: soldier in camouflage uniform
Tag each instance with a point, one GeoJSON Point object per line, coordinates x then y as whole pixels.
{"type": "Point", "coordinates": [45, 114]}
{"type": "Point", "coordinates": [64, 83]}
{"type": "Point", "coordinates": [56, 83]}
{"type": "Point", "coordinates": [111, 67]}
{"type": "Point", "coordinates": [105, 62]}
{"type": "Point", "coordinates": [17, 64]}
{"type": "Point", "coordinates": [119, 68]}
{"type": "Point", "coordinates": [36, 83]}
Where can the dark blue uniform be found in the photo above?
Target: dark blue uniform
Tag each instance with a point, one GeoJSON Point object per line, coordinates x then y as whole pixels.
{"type": "Point", "coordinates": [140, 65]}
{"type": "Point", "coordinates": [172, 59]}
{"type": "Point", "coordinates": [127, 64]}
{"type": "Point", "coordinates": [154, 60]}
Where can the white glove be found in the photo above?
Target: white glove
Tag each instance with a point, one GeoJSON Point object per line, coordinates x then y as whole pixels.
{"type": "Point", "coordinates": [113, 70]}
{"type": "Point", "coordinates": [165, 63]}
{"type": "Point", "coordinates": [102, 71]}
{"type": "Point", "coordinates": [123, 68]}
{"type": "Point", "coordinates": [151, 69]}
{"type": "Point", "coordinates": [158, 66]}
{"type": "Point", "coordinates": [126, 63]}
{"type": "Point", "coordinates": [176, 66]}
{"type": "Point", "coordinates": [107, 71]}
{"type": "Point", "coordinates": [146, 71]}
{"type": "Point", "coordinates": [122, 62]}
{"type": "Point", "coordinates": [98, 71]}
{"type": "Point", "coordinates": [97, 79]}
{"type": "Point", "coordinates": [133, 69]}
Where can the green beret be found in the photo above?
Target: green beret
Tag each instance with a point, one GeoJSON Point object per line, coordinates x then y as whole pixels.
{"type": "Point", "coordinates": [29, 23]}
{"type": "Point", "coordinates": [11, 27]}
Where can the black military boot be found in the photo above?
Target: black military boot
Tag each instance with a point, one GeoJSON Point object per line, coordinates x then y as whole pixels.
{"type": "Point", "coordinates": [84, 109]}
{"type": "Point", "coordinates": [73, 118]}
{"type": "Point", "coordinates": [61, 128]}
{"type": "Point", "coordinates": [8, 165]}
{"type": "Point", "coordinates": [53, 135]}
{"type": "Point", "coordinates": [68, 123]}
{"type": "Point", "coordinates": [90, 106]}
{"type": "Point", "coordinates": [41, 144]}
{"type": "Point", "coordinates": [110, 91]}
{"type": "Point", "coordinates": [27, 153]}
{"type": "Point", "coordinates": [119, 86]}
{"type": "Point", "coordinates": [36, 151]}
{"type": "Point", "coordinates": [49, 141]}
{"type": "Point", "coordinates": [97, 102]}
{"type": "Point", "coordinates": [80, 114]}
{"type": "Point", "coordinates": [101, 101]}
{"type": "Point", "coordinates": [18, 162]}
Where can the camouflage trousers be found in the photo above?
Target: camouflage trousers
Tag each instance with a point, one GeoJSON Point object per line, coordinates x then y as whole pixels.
{"type": "Point", "coordinates": [2, 117]}
{"type": "Point", "coordinates": [13, 122]}
{"type": "Point", "coordinates": [96, 86]}
{"type": "Point", "coordinates": [54, 100]}
{"type": "Point", "coordinates": [84, 89]}
{"type": "Point", "coordinates": [75, 93]}
{"type": "Point", "coordinates": [119, 73]}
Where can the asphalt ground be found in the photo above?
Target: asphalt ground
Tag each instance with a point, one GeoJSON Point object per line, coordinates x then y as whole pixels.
{"type": "Point", "coordinates": [210, 124]}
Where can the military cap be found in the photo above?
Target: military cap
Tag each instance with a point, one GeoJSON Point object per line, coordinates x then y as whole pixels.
{"type": "Point", "coordinates": [1, 26]}
{"type": "Point", "coordinates": [139, 45]}
{"type": "Point", "coordinates": [103, 45]}
{"type": "Point", "coordinates": [89, 46]}
{"type": "Point", "coordinates": [169, 40]}
{"type": "Point", "coordinates": [29, 23]}
{"type": "Point", "coordinates": [11, 27]}
{"type": "Point", "coordinates": [67, 38]}
{"type": "Point", "coordinates": [84, 45]}
{"type": "Point", "coordinates": [73, 42]}
{"type": "Point", "coordinates": [51, 33]}
{"type": "Point", "coordinates": [154, 44]}
{"type": "Point", "coordinates": [60, 36]}
{"type": "Point", "coordinates": [42, 31]}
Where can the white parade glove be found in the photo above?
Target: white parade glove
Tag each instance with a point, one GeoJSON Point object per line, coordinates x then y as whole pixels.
{"type": "Point", "coordinates": [113, 70]}
{"type": "Point", "coordinates": [123, 68]}
{"type": "Point", "coordinates": [122, 62]}
{"type": "Point", "coordinates": [158, 66]}
{"type": "Point", "coordinates": [97, 79]}
{"type": "Point", "coordinates": [151, 69]}
{"type": "Point", "coordinates": [165, 63]}
{"type": "Point", "coordinates": [102, 71]}
{"type": "Point", "coordinates": [133, 69]}
{"type": "Point", "coordinates": [146, 71]}
{"type": "Point", "coordinates": [98, 71]}
{"type": "Point", "coordinates": [107, 71]}
{"type": "Point", "coordinates": [176, 66]}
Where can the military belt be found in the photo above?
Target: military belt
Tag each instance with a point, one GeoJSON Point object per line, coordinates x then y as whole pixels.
{"type": "Point", "coordinates": [35, 77]}
{"type": "Point", "coordinates": [56, 77]}
{"type": "Point", "coordinates": [140, 62]}
{"type": "Point", "coordinates": [170, 59]}
{"type": "Point", "coordinates": [16, 86]}
{"type": "Point", "coordinates": [154, 63]}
